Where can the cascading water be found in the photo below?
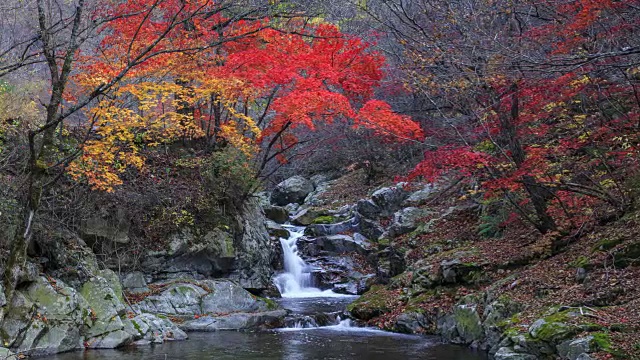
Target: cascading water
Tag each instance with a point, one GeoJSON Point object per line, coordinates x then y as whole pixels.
{"type": "Point", "coordinates": [296, 280]}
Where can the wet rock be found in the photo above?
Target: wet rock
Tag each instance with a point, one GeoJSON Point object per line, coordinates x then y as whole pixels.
{"type": "Point", "coordinates": [237, 321]}
{"type": "Point", "coordinates": [227, 297]}
{"type": "Point", "coordinates": [572, 349]}
{"type": "Point", "coordinates": [276, 213]}
{"type": "Point", "coordinates": [331, 229]}
{"type": "Point", "coordinates": [277, 230]}
{"type": "Point", "coordinates": [304, 217]}
{"type": "Point", "coordinates": [293, 190]}
{"type": "Point", "coordinates": [135, 283]}
{"type": "Point", "coordinates": [333, 245]}
{"type": "Point", "coordinates": [149, 328]}
{"type": "Point", "coordinates": [177, 299]}
{"type": "Point", "coordinates": [507, 353]}
{"type": "Point", "coordinates": [410, 323]}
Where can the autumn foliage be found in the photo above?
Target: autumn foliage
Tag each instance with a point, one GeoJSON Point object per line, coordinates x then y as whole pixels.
{"type": "Point", "coordinates": [537, 102]}
{"type": "Point", "coordinates": [243, 83]}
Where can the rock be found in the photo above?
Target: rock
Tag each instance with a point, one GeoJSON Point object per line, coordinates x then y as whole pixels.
{"type": "Point", "coordinates": [292, 208]}
{"type": "Point", "coordinates": [463, 326]}
{"type": "Point", "coordinates": [550, 331]}
{"type": "Point", "coordinates": [389, 199]}
{"type": "Point", "coordinates": [333, 245]}
{"type": "Point", "coordinates": [254, 250]}
{"type": "Point", "coordinates": [406, 220]}
{"type": "Point", "coordinates": [135, 283]}
{"type": "Point", "coordinates": [179, 243]}
{"type": "Point", "coordinates": [371, 229]}
{"type": "Point", "coordinates": [293, 190]}
{"type": "Point", "coordinates": [304, 217]}
{"type": "Point", "coordinates": [318, 180]}
{"type": "Point", "coordinates": [237, 321]}
{"type": "Point", "coordinates": [627, 256]}
{"type": "Point", "coordinates": [227, 297]}
{"type": "Point", "coordinates": [507, 353]}
{"type": "Point", "coordinates": [584, 357]}
{"type": "Point", "coordinates": [457, 272]}
{"type": "Point", "coordinates": [150, 328]}
{"type": "Point", "coordinates": [368, 209]}
{"type": "Point", "coordinates": [6, 354]}
{"type": "Point", "coordinates": [424, 277]}
{"type": "Point", "coordinates": [3, 299]}
{"type": "Point", "coordinates": [17, 319]}
{"type": "Point", "coordinates": [410, 323]}
{"type": "Point", "coordinates": [110, 340]}
{"type": "Point", "coordinates": [417, 198]}
{"type": "Point", "coordinates": [70, 259]}
{"type": "Point", "coordinates": [107, 225]}
{"type": "Point", "coordinates": [331, 229]}
{"type": "Point", "coordinates": [581, 275]}
{"type": "Point", "coordinates": [276, 213]}
{"type": "Point", "coordinates": [349, 288]}
{"type": "Point", "coordinates": [177, 299]}
{"type": "Point", "coordinates": [277, 230]}
{"type": "Point", "coordinates": [572, 349]}
{"type": "Point", "coordinates": [107, 312]}
{"type": "Point", "coordinates": [390, 263]}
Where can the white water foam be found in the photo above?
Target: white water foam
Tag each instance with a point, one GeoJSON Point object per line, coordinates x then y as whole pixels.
{"type": "Point", "coordinates": [296, 281]}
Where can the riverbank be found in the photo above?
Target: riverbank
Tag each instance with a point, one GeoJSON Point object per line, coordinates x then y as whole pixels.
{"type": "Point", "coordinates": [446, 264]}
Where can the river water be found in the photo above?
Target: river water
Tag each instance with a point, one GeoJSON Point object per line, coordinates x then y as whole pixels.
{"type": "Point", "coordinates": [304, 338]}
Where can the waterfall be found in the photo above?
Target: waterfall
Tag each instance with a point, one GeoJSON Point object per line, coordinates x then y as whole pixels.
{"type": "Point", "coordinates": [296, 281]}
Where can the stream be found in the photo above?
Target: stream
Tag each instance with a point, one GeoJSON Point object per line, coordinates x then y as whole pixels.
{"type": "Point", "coordinates": [316, 329]}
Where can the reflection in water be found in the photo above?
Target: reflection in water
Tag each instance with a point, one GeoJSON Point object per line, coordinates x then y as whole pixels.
{"type": "Point", "coordinates": [319, 343]}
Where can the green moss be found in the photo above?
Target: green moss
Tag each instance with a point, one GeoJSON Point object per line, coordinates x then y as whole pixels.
{"type": "Point", "coordinates": [137, 326]}
{"type": "Point", "coordinates": [580, 262]}
{"type": "Point", "coordinates": [271, 305]}
{"type": "Point", "coordinates": [602, 341]}
{"type": "Point", "coordinates": [373, 303]}
{"type": "Point", "coordinates": [606, 244]}
{"type": "Point", "coordinates": [326, 219]}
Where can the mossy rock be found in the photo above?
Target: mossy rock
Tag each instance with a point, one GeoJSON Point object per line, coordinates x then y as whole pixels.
{"type": "Point", "coordinates": [325, 219]}
{"type": "Point", "coordinates": [630, 255]}
{"type": "Point", "coordinates": [553, 328]}
{"type": "Point", "coordinates": [606, 244]}
{"type": "Point", "coordinates": [372, 304]}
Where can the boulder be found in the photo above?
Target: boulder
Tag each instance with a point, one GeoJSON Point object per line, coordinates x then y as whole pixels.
{"type": "Point", "coordinates": [149, 328]}
{"type": "Point", "coordinates": [237, 321]}
{"type": "Point", "coordinates": [135, 283]}
{"type": "Point", "coordinates": [176, 299]}
{"type": "Point", "coordinates": [418, 198]}
{"type": "Point", "coordinates": [410, 323]}
{"type": "Point", "coordinates": [107, 312]}
{"type": "Point", "coordinates": [574, 348]}
{"type": "Point", "coordinates": [44, 319]}
{"type": "Point", "coordinates": [6, 354]}
{"type": "Point", "coordinates": [227, 297]}
{"type": "Point", "coordinates": [389, 264]}
{"type": "Point", "coordinates": [456, 272]}
{"type": "Point", "coordinates": [293, 190]}
{"type": "Point", "coordinates": [333, 245]}
{"type": "Point", "coordinates": [389, 199]}
{"type": "Point", "coordinates": [368, 209]}
{"type": "Point", "coordinates": [371, 229]}
{"type": "Point", "coordinates": [277, 230]}
{"type": "Point", "coordinates": [276, 213]}
{"type": "Point", "coordinates": [507, 353]}
{"type": "Point", "coordinates": [107, 225]}
{"type": "Point", "coordinates": [304, 217]}
{"type": "Point", "coordinates": [331, 229]}
{"type": "Point", "coordinates": [406, 220]}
